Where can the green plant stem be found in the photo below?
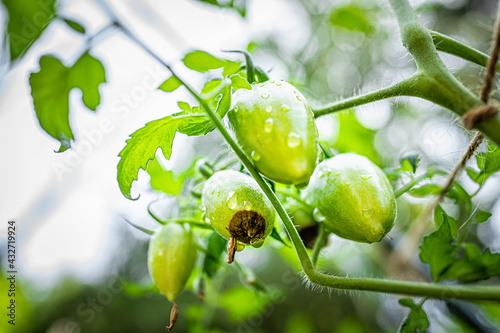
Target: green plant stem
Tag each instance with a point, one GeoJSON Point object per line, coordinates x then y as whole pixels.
{"type": "Point", "coordinates": [432, 81]}
{"type": "Point", "coordinates": [433, 290]}
{"type": "Point", "coordinates": [394, 90]}
{"type": "Point", "coordinates": [319, 244]}
{"type": "Point", "coordinates": [405, 188]}
{"type": "Point", "coordinates": [455, 47]}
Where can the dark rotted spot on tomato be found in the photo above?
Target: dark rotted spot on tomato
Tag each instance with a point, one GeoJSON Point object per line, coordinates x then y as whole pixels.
{"type": "Point", "coordinates": [247, 226]}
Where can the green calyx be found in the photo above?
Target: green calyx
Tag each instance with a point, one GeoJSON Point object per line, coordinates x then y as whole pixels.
{"type": "Point", "coordinates": [274, 125]}
{"type": "Point", "coordinates": [354, 196]}
{"type": "Point", "coordinates": [171, 258]}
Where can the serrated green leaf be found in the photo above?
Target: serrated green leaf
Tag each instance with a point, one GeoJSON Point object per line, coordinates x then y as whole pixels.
{"type": "Point", "coordinates": [461, 197]}
{"type": "Point", "coordinates": [238, 82]}
{"type": "Point", "coordinates": [436, 249]}
{"type": "Point", "coordinates": [451, 262]}
{"type": "Point", "coordinates": [142, 146]}
{"type": "Point", "coordinates": [27, 19]}
{"type": "Point", "coordinates": [50, 88]}
{"type": "Point", "coordinates": [482, 216]}
{"type": "Point", "coordinates": [215, 247]}
{"type": "Point", "coordinates": [439, 214]}
{"type": "Point", "coordinates": [164, 180]}
{"type": "Point", "coordinates": [425, 190]}
{"type": "Point", "coordinates": [473, 265]}
{"type": "Point", "coordinates": [351, 17]}
{"type": "Point", "coordinates": [170, 84]}
{"type": "Point", "coordinates": [75, 25]}
{"type": "Point", "coordinates": [416, 321]}
{"type": "Point", "coordinates": [473, 175]}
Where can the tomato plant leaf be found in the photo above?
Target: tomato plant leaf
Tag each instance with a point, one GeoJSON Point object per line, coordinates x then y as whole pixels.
{"type": "Point", "coordinates": [417, 320]}
{"type": "Point", "coordinates": [50, 88]}
{"type": "Point", "coordinates": [425, 190]}
{"type": "Point", "coordinates": [449, 261]}
{"type": "Point", "coordinates": [409, 162]}
{"type": "Point", "coordinates": [27, 19]}
{"type": "Point", "coordinates": [482, 216]}
{"type": "Point", "coordinates": [170, 84]}
{"type": "Point", "coordinates": [277, 236]}
{"type": "Point", "coordinates": [215, 247]}
{"type": "Point", "coordinates": [164, 180]}
{"type": "Point", "coordinates": [142, 146]}
{"type": "Point", "coordinates": [238, 82]}
{"type": "Point", "coordinates": [437, 250]}
{"type": "Point", "coordinates": [74, 25]}
{"type": "Point", "coordinates": [202, 61]}
{"type": "Point", "coordinates": [488, 163]}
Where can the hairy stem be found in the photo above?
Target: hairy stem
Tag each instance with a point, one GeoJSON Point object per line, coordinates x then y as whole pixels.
{"type": "Point", "coordinates": [319, 244]}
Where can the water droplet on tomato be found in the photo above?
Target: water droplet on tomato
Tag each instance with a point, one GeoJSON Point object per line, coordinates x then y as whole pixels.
{"type": "Point", "coordinates": [269, 108]}
{"type": "Point", "coordinates": [285, 108]}
{"type": "Point", "coordinates": [318, 216]}
{"type": "Point", "coordinates": [261, 84]}
{"type": "Point", "coordinates": [300, 98]}
{"type": "Point", "coordinates": [255, 156]}
{"type": "Point", "coordinates": [232, 200]}
{"type": "Point", "coordinates": [272, 81]}
{"type": "Point", "coordinates": [294, 140]}
{"type": "Point", "coordinates": [247, 206]}
{"type": "Point", "coordinates": [265, 96]}
{"type": "Point", "coordinates": [268, 125]}
{"type": "Point", "coordinates": [366, 176]}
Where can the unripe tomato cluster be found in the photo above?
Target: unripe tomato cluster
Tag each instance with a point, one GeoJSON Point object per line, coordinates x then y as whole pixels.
{"type": "Point", "coordinates": [274, 125]}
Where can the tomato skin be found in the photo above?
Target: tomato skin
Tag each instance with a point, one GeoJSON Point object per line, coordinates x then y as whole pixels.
{"type": "Point", "coordinates": [228, 193]}
{"type": "Point", "coordinates": [171, 258]}
{"type": "Point", "coordinates": [354, 196]}
{"type": "Point", "coordinates": [274, 125]}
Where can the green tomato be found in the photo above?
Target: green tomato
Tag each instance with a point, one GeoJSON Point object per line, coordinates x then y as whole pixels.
{"type": "Point", "coordinates": [237, 209]}
{"type": "Point", "coordinates": [274, 125]}
{"type": "Point", "coordinates": [354, 196]}
{"type": "Point", "coordinates": [171, 258]}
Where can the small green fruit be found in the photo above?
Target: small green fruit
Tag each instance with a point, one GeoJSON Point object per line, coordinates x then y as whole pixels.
{"type": "Point", "coordinates": [274, 125]}
{"type": "Point", "coordinates": [237, 209]}
{"type": "Point", "coordinates": [354, 196]}
{"type": "Point", "coordinates": [171, 258]}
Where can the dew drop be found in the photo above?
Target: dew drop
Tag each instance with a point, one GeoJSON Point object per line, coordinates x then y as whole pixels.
{"type": "Point", "coordinates": [236, 108]}
{"type": "Point", "coordinates": [272, 81]}
{"type": "Point", "coordinates": [295, 91]}
{"type": "Point", "coordinates": [261, 84]}
{"type": "Point", "coordinates": [299, 97]}
{"type": "Point", "coordinates": [366, 176]}
{"type": "Point", "coordinates": [207, 220]}
{"type": "Point", "coordinates": [247, 206]}
{"type": "Point", "coordinates": [265, 96]}
{"type": "Point", "coordinates": [367, 212]}
{"type": "Point", "coordinates": [278, 84]}
{"type": "Point", "coordinates": [285, 108]}
{"type": "Point", "coordinates": [318, 216]}
{"type": "Point", "coordinates": [255, 156]}
{"type": "Point", "coordinates": [268, 125]}
{"type": "Point", "coordinates": [269, 108]}
{"type": "Point", "coordinates": [232, 200]}
{"type": "Point", "coordinates": [294, 140]}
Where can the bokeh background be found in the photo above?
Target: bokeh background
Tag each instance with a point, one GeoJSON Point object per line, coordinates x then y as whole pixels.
{"type": "Point", "coordinates": [82, 268]}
